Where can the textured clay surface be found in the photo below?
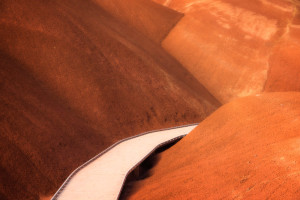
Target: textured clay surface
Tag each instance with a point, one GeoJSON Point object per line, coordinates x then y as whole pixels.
{"type": "Point", "coordinates": [238, 48]}
{"type": "Point", "coordinates": [247, 149]}
{"type": "Point", "coordinates": [74, 79]}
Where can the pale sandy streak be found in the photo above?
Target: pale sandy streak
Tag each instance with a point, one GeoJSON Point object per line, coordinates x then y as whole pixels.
{"type": "Point", "coordinates": [167, 2]}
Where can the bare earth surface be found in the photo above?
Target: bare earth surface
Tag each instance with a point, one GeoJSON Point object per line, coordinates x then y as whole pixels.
{"type": "Point", "coordinates": [238, 48]}
{"type": "Point", "coordinates": [74, 79]}
{"type": "Point", "coordinates": [247, 149]}
{"type": "Point", "coordinates": [104, 177]}
{"type": "Point", "coordinates": [78, 75]}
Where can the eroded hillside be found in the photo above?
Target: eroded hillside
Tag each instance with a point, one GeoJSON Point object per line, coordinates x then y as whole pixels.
{"type": "Point", "coordinates": [74, 79]}
{"type": "Point", "coordinates": [238, 48]}
{"type": "Point", "coordinates": [247, 149]}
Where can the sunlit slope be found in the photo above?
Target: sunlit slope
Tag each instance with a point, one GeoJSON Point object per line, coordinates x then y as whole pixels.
{"type": "Point", "coordinates": [238, 48]}
{"type": "Point", "coordinates": [153, 20]}
{"type": "Point", "coordinates": [247, 149]}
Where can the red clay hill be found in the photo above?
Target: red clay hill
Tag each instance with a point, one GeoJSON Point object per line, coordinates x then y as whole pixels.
{"type": "Point", "coordinates": [238, 48]}
{"type": "Point", "coordinates": [78, 75]}
{"type": "Point", "coordinates": [247, 149]}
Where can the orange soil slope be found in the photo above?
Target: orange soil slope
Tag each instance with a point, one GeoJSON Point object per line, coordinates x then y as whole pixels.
{"type": "Point", "coordinates": [74, 80]}
{"type": "Point", "coordinates": [247, 149]}
{"type": "Point", "coordinates": [238, 48]}
{"type": "Point", "coordinates": [149, 18]}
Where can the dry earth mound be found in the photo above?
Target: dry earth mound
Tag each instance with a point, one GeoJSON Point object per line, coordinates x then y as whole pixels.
{"type": "Point", "coordinates": [73, 80]}
{"type": "Point", "coordinates": [238, 48]}
{"type": "Point", "coordinates": [247, 149]}
{"type": "Point", "coordinates": [153, 20]}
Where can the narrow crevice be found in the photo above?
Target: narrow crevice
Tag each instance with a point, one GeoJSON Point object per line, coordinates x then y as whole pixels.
{"type": "Point", "coordinates": [143, 171]}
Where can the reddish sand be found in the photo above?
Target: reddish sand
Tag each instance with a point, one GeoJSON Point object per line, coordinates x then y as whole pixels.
{"type": "Point", "coordinates": [149, 18]}
{"type": "Point", "coordinates": [247, 149]}
{"type": "Point", "coordinates": [74, 80]}
{"type": "Point", "coordinates": [238, 48]}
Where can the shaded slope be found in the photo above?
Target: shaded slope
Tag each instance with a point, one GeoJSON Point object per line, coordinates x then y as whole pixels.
{"type": "Point", "coordinates": [238, 48]}
{"type": "Point", "coordinates": [151, 19]}
{"type": "Point", "coordinates": [74, 80]}
{"type": "Point", "coordinates": [42, 138]}
{"type": "Point", "coordinates": [247, 149]}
